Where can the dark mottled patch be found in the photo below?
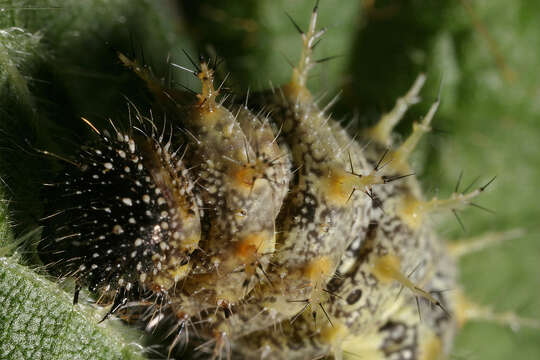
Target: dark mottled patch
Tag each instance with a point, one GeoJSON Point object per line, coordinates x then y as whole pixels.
{"type": "Point", "coordinates": [354, 296]}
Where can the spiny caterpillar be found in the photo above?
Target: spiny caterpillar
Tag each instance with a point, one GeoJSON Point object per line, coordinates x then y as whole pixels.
{"type": "Point", "coordinates": [266, 230]}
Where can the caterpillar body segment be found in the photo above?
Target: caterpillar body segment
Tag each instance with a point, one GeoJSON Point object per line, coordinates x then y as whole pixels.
{"type": "Point", "coordinates": [244, 179]}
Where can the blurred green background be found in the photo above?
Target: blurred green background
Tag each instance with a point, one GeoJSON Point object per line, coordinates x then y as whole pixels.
{"type": "Point", "coordinates": [58, 63]}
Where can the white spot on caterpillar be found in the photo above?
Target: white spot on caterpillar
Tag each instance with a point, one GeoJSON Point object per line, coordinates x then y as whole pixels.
{"type": "Point", "coordinates": [131, 145]}
{"type": "Point", "coordinates": [117, 229]}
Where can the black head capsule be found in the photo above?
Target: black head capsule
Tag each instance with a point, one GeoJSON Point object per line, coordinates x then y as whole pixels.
{"type": "Point", "coordinates": [123, 215]}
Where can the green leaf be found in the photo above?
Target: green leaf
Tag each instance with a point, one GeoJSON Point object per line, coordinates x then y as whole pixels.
{"type": "Point", "coordinates": [38, 321]}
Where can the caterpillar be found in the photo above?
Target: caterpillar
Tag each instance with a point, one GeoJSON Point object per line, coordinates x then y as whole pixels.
{"type": "Point", "coordinates": [320, 233]}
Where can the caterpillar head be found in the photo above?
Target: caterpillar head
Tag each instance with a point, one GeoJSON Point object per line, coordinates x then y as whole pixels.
{"type": "Point", "coordinates": [124, 214]}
